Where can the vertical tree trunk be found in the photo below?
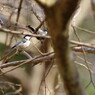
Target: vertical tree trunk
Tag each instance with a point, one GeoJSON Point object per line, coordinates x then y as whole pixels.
{"type": "Point", "coordinates": [58, 16]}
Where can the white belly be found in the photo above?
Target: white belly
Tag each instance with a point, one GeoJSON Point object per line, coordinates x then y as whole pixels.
{"type": "Point", "coordinates": [24, 45]}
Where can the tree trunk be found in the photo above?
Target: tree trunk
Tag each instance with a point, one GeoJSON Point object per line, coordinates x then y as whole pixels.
{"type": "Point", "coordinates": [58, 16]}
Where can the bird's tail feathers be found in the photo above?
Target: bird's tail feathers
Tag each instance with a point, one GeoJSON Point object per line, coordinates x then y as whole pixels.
{"type": "Point", "coordinates": [11, 49]}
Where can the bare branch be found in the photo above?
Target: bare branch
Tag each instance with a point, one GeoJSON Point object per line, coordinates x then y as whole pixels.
{"type": "Point", "coordinates": [80, 49]}
{"type": "Point", "coordinates": [81, 44]}
{"type": "Point", "coordinates": [33, 61]}
{"type": "Point", "coordinates": [22, 33]}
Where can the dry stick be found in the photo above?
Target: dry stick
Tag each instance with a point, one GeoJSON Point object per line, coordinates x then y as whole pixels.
{"type": "Point", "coordinates": [43, 79]}
{"type": "Point", "coordinates": [37, 49]}
{"type": "Point", "coordinates": [26, 54]}
{"type": "Point", "coordinates": [93, 8]}
{"type": "Point", "coordinates": [87, 69]}
{"type": "Point", "coordinates": [86, 49]}
{"type": "Point", "coordinates": [20, 26]}
{"type": "Point", "coordinates": [85, 58]}
{"type": "Point", "coordinates": [40, 25]}
{"type": "Point", "coordinates": [21, 33]}
{"type": "Point", "coordinates": [34, 63]}
{"type": "Point", "coordinates": [6, 54]}
{"type": "Point", "coordinates": [35, 31]}
{"type": "Point", "coordinates": [38, 59]}
{"type": "Point", "coordinates": [18, 15]}
{"type": "Point", "coordinates": [10, 83]}
{"type": "Point", "coordinates": [36, 15]}
{"type": "Point", "coordinates": [19, 10]}
{"type": "Point", "coordinates": [8, 25]}
{"type": "Point", "coordinates": [17, 19]}
{"type": "Point", "coordinates": [34, 60]}
{"type": "Point", "coordinates": [84, 66]}
{"type": "Point", "coordinates": [16, 53]}
{"type": "Point", "coordinates": [6, 39]}
{"type": "Point", "coordinates": [13, 55]}
{"type": "Point", "coordinates": [84, 30]}
{"type": "Point", "coordinates": [19, 65]}
{"type": "Point", "coordinates": [88, 84]}
{"type": "Point", "coordinates": [82, 44]}
{"type": "Point", "coordinates": [44, 49]}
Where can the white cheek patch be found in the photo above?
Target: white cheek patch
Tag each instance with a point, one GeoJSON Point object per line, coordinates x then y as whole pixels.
{"type": "Point", "coordinates": [27, 37]}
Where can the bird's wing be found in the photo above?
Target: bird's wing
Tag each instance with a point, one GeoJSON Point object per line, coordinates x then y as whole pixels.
{"type": "Point", "coordinates": [13, 47]}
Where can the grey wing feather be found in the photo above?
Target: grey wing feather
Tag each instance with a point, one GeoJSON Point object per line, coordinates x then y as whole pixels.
{"type": "Point", "coordinates": [13, 47]}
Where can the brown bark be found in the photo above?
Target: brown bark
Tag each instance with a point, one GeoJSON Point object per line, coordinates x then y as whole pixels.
{"type": "Point", "coordinates": [58, 17]}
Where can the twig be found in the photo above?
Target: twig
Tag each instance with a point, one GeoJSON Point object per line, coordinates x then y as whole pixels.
{"type": "Point", "coordinates": [85, 59]}
{"type": "Point", "coordinates": [84, 30]}
{"type": "Point", "coordinates": [37, 49]}
{"type": "Point", "coordinates": [6, 54]}
{"type": "Point", "coordinates": [46, 74]}
{"type": "Point", "coordinates": [26, 54]}
{"type": "Point", "coordinates": [33, 61]}
{"type": "Point", "coordinates": [35, 30]}
{"type": "Point", "coordinates": [19, 10]}
{"type": "Point", "coordinates": [40, 25]}
{"type": "Point", "coordinates": [81, 44]}
{"type": "Point", "coordinates": [84, 66]}
{"type": "Point", "coordinates": [21, 33]}
{"type": "Point", "coordinates": [80, 49]}
{"type": "Point", "coordinates": [36, 15]}
{"type": "Point", "coordinates": [13, 55]}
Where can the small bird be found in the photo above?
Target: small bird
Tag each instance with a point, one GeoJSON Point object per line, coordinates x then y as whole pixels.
{"type": "Point", "coordinates": [21, 45]}
{"type": "Point", "coordinates": [40, 32]}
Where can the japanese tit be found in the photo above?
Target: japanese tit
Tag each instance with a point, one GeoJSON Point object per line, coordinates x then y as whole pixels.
{"type": "Point", "coordinates": [21, 45]}
{"type": "Point", "coordinates": [40, 32]}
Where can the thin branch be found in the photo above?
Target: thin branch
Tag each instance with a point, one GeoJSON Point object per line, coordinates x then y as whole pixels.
{"type": "Point", "coordinates": [37, 49]}
{"type": "Point", "coordinates": [84, 30]}
{"type": "Point", "coordinates": [22, 33]}
{"type": "Point", "coordinates": [26, 54]}
{"type": "Point", "coordinates": [19, 10]}
{"type": "Point", "coordinates": [6, 54]}
{"type": "Point", "coordinates": [36, 14]}
{"type": "Point", "coordinates": [84, 66]}
{"type": "Point", "coordinates": [36, 62]}
{"type": "Point", "coordinates": [10, 57]}
{"type": "Point", "coordinates": [33, 61]}
{"type": "Point", "coordinates": [46, 74]}
{"type": "Point", "coordinates": [81, 44]}
{"type": "Point", "coordinates": [85, 59]}
{"type": "Point", "coordinates": [35, 30]}
{"type": "Point", "coordinates": [80, 49]}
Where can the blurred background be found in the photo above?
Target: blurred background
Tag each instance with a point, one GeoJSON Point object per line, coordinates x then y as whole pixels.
{"type": "Point", "coordinates": [44, 78]}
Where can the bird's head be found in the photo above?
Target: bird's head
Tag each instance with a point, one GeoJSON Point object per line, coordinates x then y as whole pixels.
{"type": "Point", "coordinates": [27, 37]}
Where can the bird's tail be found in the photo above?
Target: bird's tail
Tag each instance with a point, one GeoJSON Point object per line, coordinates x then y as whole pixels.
{"type": "Point", "coordinates": [11, 49]}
